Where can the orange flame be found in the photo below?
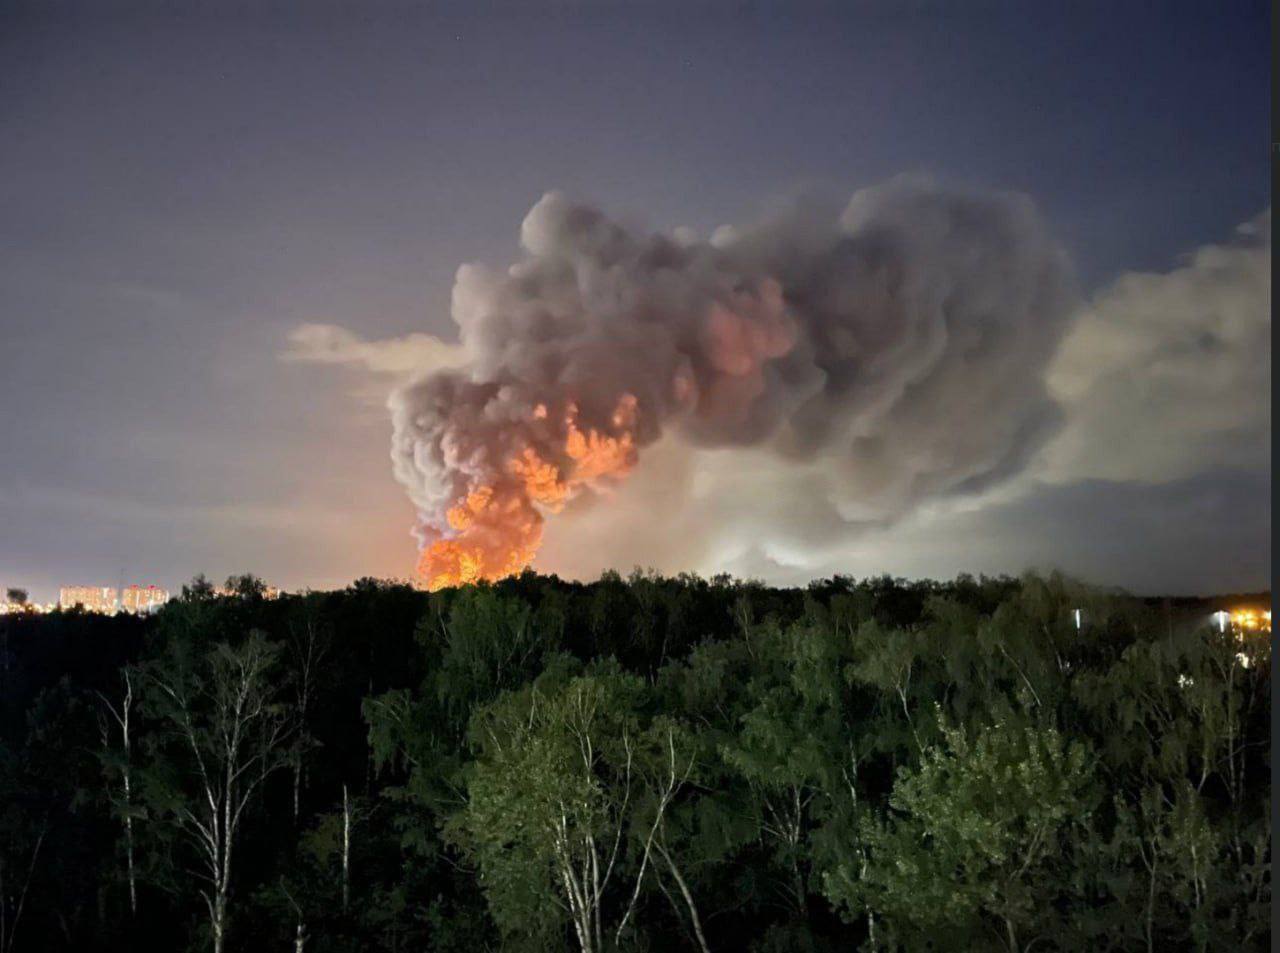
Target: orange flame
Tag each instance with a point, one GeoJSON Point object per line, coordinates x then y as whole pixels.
{"type": "Point", "coordinates": [497, 527]}
{"type": "Point", "coordinates": [498, 532]}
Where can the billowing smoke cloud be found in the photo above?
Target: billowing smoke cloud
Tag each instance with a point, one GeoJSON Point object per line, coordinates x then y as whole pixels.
{"type": "Point", "coordinates": [1167, 374]}
{"type": "Point", "coordinates": [899, 342]}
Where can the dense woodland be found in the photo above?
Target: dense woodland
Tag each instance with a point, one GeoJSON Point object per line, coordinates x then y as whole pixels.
{"type": "Point", "coordinates": [639, 763]}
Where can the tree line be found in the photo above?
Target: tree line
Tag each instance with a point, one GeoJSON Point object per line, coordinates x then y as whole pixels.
{"type": "Point", "coordinates": [639, 763]}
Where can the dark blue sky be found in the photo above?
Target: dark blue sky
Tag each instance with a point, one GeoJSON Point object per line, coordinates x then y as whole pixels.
{"type": "Point", "coordinates": [178, 191]}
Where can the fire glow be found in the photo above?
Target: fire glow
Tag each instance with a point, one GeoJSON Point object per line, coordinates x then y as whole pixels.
{"type": "Point", "coordinates": [498, 527]}
{"type": "Point", "coordinates": [901, 340]}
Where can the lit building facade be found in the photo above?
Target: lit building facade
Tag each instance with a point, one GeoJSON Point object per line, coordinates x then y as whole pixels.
{"type": "Point", "coordinates": [91, 598]}
{"type": "Point", "coordinates": [143, 599]}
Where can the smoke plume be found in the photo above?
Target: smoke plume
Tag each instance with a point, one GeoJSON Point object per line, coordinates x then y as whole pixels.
{"type": "Point", "coordinates": [900, 342]}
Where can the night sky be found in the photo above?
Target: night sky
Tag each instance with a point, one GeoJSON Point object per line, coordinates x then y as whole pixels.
{"type": "Point", "coordinates": [185, 196]}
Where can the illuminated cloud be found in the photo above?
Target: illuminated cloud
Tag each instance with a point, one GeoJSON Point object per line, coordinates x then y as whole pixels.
{"type": "Point", "coordinates": [876, 355]}
{"type": "Point", "coordinates": [1163, 384]}
{"type": "Point", "coordinates": [1169, 374]}
{"type": "Point", "coordinates": [394, 357]}
{"type": "Point", "coordinates": [996, 434]}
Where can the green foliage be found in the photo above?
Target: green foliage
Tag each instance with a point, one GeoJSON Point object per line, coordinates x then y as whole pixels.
{"type": "Point", "coordinates": [978, 837]}
{"type": "Point", "coordinates": [640, 763]}
{"type": "Point", "coordinates": [551, 793]}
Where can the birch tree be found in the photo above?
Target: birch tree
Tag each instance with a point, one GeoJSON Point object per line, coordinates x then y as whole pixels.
{"type": "Point", "coordinates": [226, 732]}
{"type": "Point", "coordinates": [308, 647]}
{"type": "Point", "coordinates": [557, 818]}
{"type": "Point", "coordinates": [116, 718]}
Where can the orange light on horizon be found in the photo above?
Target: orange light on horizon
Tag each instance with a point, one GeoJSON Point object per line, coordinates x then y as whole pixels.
{"type": "Point", "coordinates": [496, 528]}
{"type": "Point", "coordinates": [1251, 620]}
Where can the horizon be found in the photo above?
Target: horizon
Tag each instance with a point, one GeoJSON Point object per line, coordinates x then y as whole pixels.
{"type": "Point", "coordinates": [227, 241]}
{"type": "Point", "coordinates": [220, 586]}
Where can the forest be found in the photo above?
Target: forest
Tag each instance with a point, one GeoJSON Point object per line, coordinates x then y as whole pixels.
{"type": "Point", "coordinates": [639, 763]}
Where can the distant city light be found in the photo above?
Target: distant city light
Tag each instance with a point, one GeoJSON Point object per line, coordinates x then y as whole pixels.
{"type": "Point", "coordinates": [102, 599]}
{"type": "Point", "coordinates": [26, 608]}
{"type": "Point", "coordinates": [143, 599]}
{"type": "Point", "coordinates": [230, 592]}
{"type": "Point", "coordinates": [105, 600]}
{"type": "Point", "coordinates": [1251, 620]}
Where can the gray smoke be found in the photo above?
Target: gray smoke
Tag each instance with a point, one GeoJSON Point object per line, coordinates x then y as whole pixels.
{"type": "Point", "coordinates": [901, 341]}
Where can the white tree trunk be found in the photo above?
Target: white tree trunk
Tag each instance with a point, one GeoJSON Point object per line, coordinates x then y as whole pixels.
{"type": "Point", "coordinates": [121, 716]}
{"type": "Point", "coordinates": [688, 898]}
{"type": "Point", "coordinates": [9, 928]}
{"type": "Point", "coordinates": [245, 741]}
{"type": "Point", "coordinates": [297, 784]}
{"type": "Point", "coordinates": [346, 849]}
{"type": "Point", "coordinates": [218, 921]}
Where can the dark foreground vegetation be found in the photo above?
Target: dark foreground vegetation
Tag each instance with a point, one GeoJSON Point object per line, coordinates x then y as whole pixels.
{"type": "Point", "coordinates": [636, 764]}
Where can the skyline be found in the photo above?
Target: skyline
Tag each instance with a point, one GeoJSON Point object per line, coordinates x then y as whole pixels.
{"type": "Point", "coordinates": [211, 283]}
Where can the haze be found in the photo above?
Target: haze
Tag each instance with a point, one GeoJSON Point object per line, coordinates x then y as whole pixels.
{"type": "Point", "coordinates": [225, 240]}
